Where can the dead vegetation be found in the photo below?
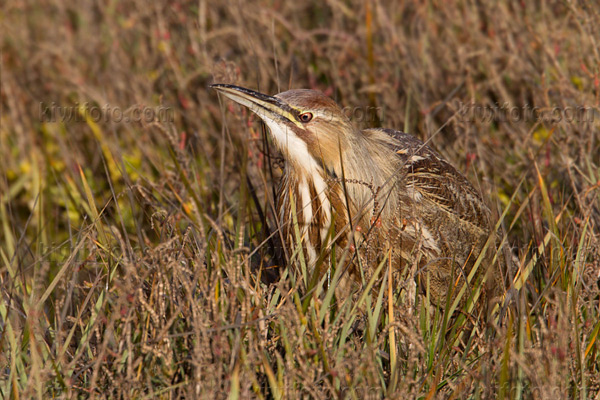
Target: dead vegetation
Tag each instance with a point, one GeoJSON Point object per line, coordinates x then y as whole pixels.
{"type": "Point", "coordinates": [135, 209]}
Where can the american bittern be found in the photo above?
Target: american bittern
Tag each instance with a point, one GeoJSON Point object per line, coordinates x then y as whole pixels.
{"type": "Point", "coordinates": [377, 190]}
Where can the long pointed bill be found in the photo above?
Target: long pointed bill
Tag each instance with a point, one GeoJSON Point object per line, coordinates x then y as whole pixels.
{"type": "Point", "coordinates": [265, 106]}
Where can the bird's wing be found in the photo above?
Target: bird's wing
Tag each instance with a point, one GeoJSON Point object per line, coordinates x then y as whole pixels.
{"type": "Point", "coordinates": [438, 181]}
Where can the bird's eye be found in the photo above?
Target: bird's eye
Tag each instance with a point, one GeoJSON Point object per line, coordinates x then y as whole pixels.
{"type": "Point", "coordinates": [305, 117]}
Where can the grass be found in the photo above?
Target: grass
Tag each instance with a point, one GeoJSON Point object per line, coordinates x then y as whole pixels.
{"type": "Point", "coordinates": [136, 254]}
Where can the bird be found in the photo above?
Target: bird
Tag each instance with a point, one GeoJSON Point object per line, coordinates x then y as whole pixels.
{"type": "Point", "coordinates": [371, 192]}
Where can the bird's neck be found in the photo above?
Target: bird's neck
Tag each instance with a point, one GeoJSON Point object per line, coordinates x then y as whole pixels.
{"type": "Point", "coordinates": [306, 195]}
{"type": "Point", "coordinates": [362, 168]}
{"type": "Point", "coordinates": [368, 170]}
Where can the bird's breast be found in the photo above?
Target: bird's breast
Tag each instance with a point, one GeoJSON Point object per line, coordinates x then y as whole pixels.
{"type": "Point", "coordinates": [313, 204]}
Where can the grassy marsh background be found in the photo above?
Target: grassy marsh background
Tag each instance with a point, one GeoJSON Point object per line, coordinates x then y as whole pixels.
{"type": "Point", "coordinates": [135, 207]}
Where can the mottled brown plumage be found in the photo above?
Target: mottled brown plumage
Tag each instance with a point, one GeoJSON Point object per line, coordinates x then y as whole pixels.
{"type": "Point", "coordinates": [370, 192]}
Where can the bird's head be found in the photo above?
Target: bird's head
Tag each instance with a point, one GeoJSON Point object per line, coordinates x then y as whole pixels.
{"type": "Point", "coordinates": [308, 127]}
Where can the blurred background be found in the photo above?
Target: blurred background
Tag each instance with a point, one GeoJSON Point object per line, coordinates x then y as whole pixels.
{"type": "Point", "coordinates": [123, 176]}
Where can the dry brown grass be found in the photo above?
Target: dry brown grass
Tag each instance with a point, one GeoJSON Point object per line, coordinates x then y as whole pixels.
{"type": "Point", "coordinates": [129, 251]}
